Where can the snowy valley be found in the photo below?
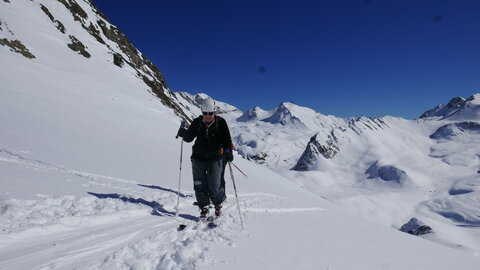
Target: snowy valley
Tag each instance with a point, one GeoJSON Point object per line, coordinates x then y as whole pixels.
{"type": "Point", "coordinates": [89, 167]}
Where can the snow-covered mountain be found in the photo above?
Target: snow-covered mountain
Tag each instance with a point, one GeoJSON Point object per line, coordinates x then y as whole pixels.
{"type": "Point", "coordinates": [255, 114]}
{"type": "Point", "coordinates": [89, 168]}
{"type": "Point", "coordinates": [458, 108]}
{"type": "Point", "coordinates": [392, 170]}
{"type": "Point", "coordinates": [277, 138]}
{"type": "Point", "coordinates": [75, 36]}
{"type": "Point", "coordinates": [191, 105]}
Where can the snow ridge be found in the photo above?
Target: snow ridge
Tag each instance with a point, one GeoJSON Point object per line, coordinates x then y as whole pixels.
{"type": "Point", "coordinates": [458, 108]}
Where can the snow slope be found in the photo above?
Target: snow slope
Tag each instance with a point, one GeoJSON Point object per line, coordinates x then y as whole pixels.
{"type": "Point", "coordinates": [89, 166]}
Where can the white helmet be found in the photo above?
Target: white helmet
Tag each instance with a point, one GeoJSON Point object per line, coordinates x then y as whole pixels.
{"type": "Point", "coordinates": [208, 105]}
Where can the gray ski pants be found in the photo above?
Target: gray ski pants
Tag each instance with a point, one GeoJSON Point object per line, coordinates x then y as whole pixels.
{"type": "Point", "coordinates": [207, 182]}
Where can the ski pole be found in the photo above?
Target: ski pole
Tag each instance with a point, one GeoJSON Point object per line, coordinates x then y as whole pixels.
{"type": "Point", "coordinates": [236, 196]}
{"type": "Point", "coordinates": [181, 226]}
{"type": "Point", "coordinates": [179, 179]}
{"type": "Point", "coordinates": [239, 170]}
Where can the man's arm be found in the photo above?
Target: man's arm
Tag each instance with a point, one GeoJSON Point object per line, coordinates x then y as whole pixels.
{"type": "Point", "coordinates": [189, 134]}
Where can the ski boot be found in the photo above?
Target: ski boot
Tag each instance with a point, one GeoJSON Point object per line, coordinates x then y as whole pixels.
{"type": "Point", "coordinates": [218, 210]}
{"type": "Point", "coordinates": [204, 213]}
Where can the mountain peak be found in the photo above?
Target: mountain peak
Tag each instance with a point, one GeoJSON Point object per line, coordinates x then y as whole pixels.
{"type": "Point", "coordinates": [456, 102]}
{"type": "Point", "coordinates": [255, 113]}
{"type": "Point", "coordinates": [457, 108]}
{"type": "Point", "coordinates": [289, 113]}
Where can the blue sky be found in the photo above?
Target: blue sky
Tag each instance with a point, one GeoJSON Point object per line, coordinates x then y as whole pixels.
{"type": "Point", "coordinates": [345, 58]}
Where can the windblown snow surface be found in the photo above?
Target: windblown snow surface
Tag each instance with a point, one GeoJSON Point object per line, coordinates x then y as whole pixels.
{"type": "Point", "coordinates": [89, 168]}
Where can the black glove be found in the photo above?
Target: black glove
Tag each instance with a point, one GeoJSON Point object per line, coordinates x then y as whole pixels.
{"type": "Point", "coordinates": [182, 131]}
{"type": "Point", "coordinates": [228, 155]}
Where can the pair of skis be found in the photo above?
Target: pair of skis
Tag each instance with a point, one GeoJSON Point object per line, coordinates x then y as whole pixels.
{"type": "Point", "coordinates": [210, 221]}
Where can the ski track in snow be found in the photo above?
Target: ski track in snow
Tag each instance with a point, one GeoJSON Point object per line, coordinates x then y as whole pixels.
{"type": "Point", "coordinates": [64, 250]}
{"type": "Point", "coordinates": [10, 156]}
{"type": "Point", "coordinates": [113, 231]}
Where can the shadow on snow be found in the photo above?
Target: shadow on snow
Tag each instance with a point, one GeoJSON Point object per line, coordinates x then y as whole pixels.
{"type": "Point", "coordinates": [166, 189]}
{"type": "Point", "coordinates": [157, 208]}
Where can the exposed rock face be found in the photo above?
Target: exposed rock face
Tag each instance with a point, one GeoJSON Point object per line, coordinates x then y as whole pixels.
{"type": "Point", "coordinates": [78, 46]}
{"type": "Point", "coordinates": [416, 227]}
{"type": "Point", "coordinates": [458, 109]}
{"type": "Point", "coordinates": [77, 11]}
{"type": "Point", "coordinates": [386, 173]}
{"type": "Point", "coordinates": [328, 145]}
{"type": "Point", "coordinates": [57, 23]}
{"type": "Point", "coordinates": [259, 158]}
{"type": "Point", "coordinates": [359, 124]}
{"type": "Point", "coordinates": [14, 44]}
{"type": "Point", "coordinates": [17, 46]}
{"type": "Point", "coordinates": [316, 148]}
{"type": "Point", "coordinates": [456, 129]}
{"type": "Point", "coordinates": [443, 110]}
{"type": "Point", "coordinates": [283, 116]}
{"type": "Point", "coordinates": [118, 60]}
{"type": "Point", "coordinates": [456, 103]}
{"type": "Point", "coordinates": [101, 29]}
{"type": "Point", "coordinates": [249, 115]}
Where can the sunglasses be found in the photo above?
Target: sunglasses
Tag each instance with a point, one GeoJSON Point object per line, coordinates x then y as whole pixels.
{"type": "Point", "coordinates": [208, 113]}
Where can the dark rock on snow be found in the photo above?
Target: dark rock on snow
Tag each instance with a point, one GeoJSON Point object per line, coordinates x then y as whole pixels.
{"type": "Point", "coordinates": [416, 227]}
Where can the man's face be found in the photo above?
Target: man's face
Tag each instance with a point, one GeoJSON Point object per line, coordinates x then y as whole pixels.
{"type": "Point", "coordinates": [208, 116]}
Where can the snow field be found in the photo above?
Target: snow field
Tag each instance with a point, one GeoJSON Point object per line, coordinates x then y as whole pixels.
{"type": "Point", "coordinates": [89, 168]}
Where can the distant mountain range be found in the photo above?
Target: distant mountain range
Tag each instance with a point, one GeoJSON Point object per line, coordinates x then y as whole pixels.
{"type": "Point", "coordinates": [309, 135]}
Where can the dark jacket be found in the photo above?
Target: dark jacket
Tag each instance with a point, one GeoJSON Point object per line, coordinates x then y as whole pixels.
{"type": "Point", "coordinates": [211, 141]}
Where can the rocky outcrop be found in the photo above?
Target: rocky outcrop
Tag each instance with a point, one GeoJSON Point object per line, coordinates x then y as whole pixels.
{"type": "Point", "coordinates": [387, 173]}
{"type": "Point", "coordinates": [456, 129]}
{"type": "Point", "coordinates": [17, 46]}
{"type": "Point", "coordinates": [416, 227]}
{"type": "Point", "coordinates": [77, 11]}
{"type": "Point", "coordinates": [78, 46]}
{"type": "Point", "coordinates": [57, 23]}
{"type": "Point", "coordinates": [284, 116]}
{"type": "Point", "coordinates": [444, 110]}
{"type": "Point", "coordinates": [118, 60]}
{"type": "Point", "coordinates": [315, 149]}
{"type": "Point", "coordinates": [14, 44]}
{"type": "Point", "coordinates": [362, 123]}
{"type": "Point", "coordinates": [259, 158]}
{"type": "Point", "coordinates": [326, 144]}
{"type": "Point", "coordinates": [249, 115]}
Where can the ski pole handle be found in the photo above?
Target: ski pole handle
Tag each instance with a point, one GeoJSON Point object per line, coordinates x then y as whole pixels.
{"type": "Point", "coordinates": [183, 125]}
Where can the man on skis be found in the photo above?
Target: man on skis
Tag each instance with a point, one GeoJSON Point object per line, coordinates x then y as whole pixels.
{"type": "Point", "coordinates": [212, 148]}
